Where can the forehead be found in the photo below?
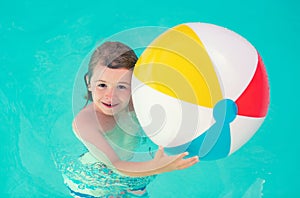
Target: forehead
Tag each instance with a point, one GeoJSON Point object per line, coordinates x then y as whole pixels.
{"type": "Point", "coordinates": [111, 75]}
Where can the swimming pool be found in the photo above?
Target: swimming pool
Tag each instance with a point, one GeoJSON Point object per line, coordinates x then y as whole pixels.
{"type": "Point", "coordinates": [42, 46]}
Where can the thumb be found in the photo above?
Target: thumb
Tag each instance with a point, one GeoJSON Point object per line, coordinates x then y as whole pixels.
{"type": "Point", "coordinates": [160, 152]}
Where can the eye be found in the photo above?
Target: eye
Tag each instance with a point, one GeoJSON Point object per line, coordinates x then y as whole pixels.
{"type": "Point", "coordinates": [122, 87]}
{"type": "Point", "coordinates": [102, 85]}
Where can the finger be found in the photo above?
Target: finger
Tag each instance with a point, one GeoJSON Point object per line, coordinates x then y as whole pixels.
{"type": "Point", "coordinates": [182, 155]}
{"type": "Point", "coordinates": [186, 166]}
{"type": "Point", "coordinates": [188, 162]}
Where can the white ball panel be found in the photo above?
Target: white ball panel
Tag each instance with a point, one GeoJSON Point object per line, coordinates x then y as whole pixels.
{"type": "Point", "coordinates": [242, 129]}
{"type": "Point", "coordinates": [234, 58]}
{"type": "Point", "coordinates": [166, 120]}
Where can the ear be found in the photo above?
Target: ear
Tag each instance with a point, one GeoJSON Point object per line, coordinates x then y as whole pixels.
{"type": "Point", "coordinates": [87, 82]}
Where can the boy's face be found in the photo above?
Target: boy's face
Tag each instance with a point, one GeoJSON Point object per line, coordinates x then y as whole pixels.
{"type": "Point", "coordinates": [111, 89]}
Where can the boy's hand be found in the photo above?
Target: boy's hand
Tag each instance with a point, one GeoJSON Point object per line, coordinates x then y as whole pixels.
{"type": "Point", "coordinates": [167, 163]}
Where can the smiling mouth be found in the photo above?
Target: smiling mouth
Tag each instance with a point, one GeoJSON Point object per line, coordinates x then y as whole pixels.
{"type": "Point", "coordinates": [108, 105]}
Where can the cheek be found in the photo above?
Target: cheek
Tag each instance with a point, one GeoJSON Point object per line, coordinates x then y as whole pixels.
{"type": "Point", "coordinates": [97, 92]}
{"type": "Point", "coordinates": [125, 95]}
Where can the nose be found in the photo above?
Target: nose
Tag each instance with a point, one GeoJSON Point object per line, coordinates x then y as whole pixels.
{"type": "Point", "coordinates": [108, 93]}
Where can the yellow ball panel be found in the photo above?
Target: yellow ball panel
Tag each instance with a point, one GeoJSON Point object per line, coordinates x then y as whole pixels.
{"type": "Point", "coordinates": [180, 69]}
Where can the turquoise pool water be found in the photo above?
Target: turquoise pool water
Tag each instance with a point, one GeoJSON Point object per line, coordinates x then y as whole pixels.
{"type": "Point", "coordinates": [42, 46]}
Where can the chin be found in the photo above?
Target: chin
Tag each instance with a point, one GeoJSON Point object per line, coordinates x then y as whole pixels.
{"type": "Point", "coordinates": [111, 112]}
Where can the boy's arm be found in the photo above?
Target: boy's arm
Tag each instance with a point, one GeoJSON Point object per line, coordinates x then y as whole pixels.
{"type": "Point", "coordinates": [85, 130]}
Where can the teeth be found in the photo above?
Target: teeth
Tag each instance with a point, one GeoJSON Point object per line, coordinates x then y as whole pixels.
{"type": "Point", "coordinates": [107, 104]}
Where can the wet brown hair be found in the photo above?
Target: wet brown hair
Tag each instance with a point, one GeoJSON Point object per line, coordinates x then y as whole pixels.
{"type": "Point", "coordinates": [113, 55]}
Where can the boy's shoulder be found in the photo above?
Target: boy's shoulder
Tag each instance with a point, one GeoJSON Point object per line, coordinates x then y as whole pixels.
{"type": "Point", "coordinates": [86, 112]}
{"type": "Point", "coordinates": [84, 117]}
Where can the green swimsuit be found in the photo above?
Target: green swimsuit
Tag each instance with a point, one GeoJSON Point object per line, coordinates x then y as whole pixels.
{"type": "Point", "coordinates": [87, 176]}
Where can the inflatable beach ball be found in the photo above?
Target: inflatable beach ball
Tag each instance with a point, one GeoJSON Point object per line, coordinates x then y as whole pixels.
{"type": "Point", "coordinates": [200, 88]}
